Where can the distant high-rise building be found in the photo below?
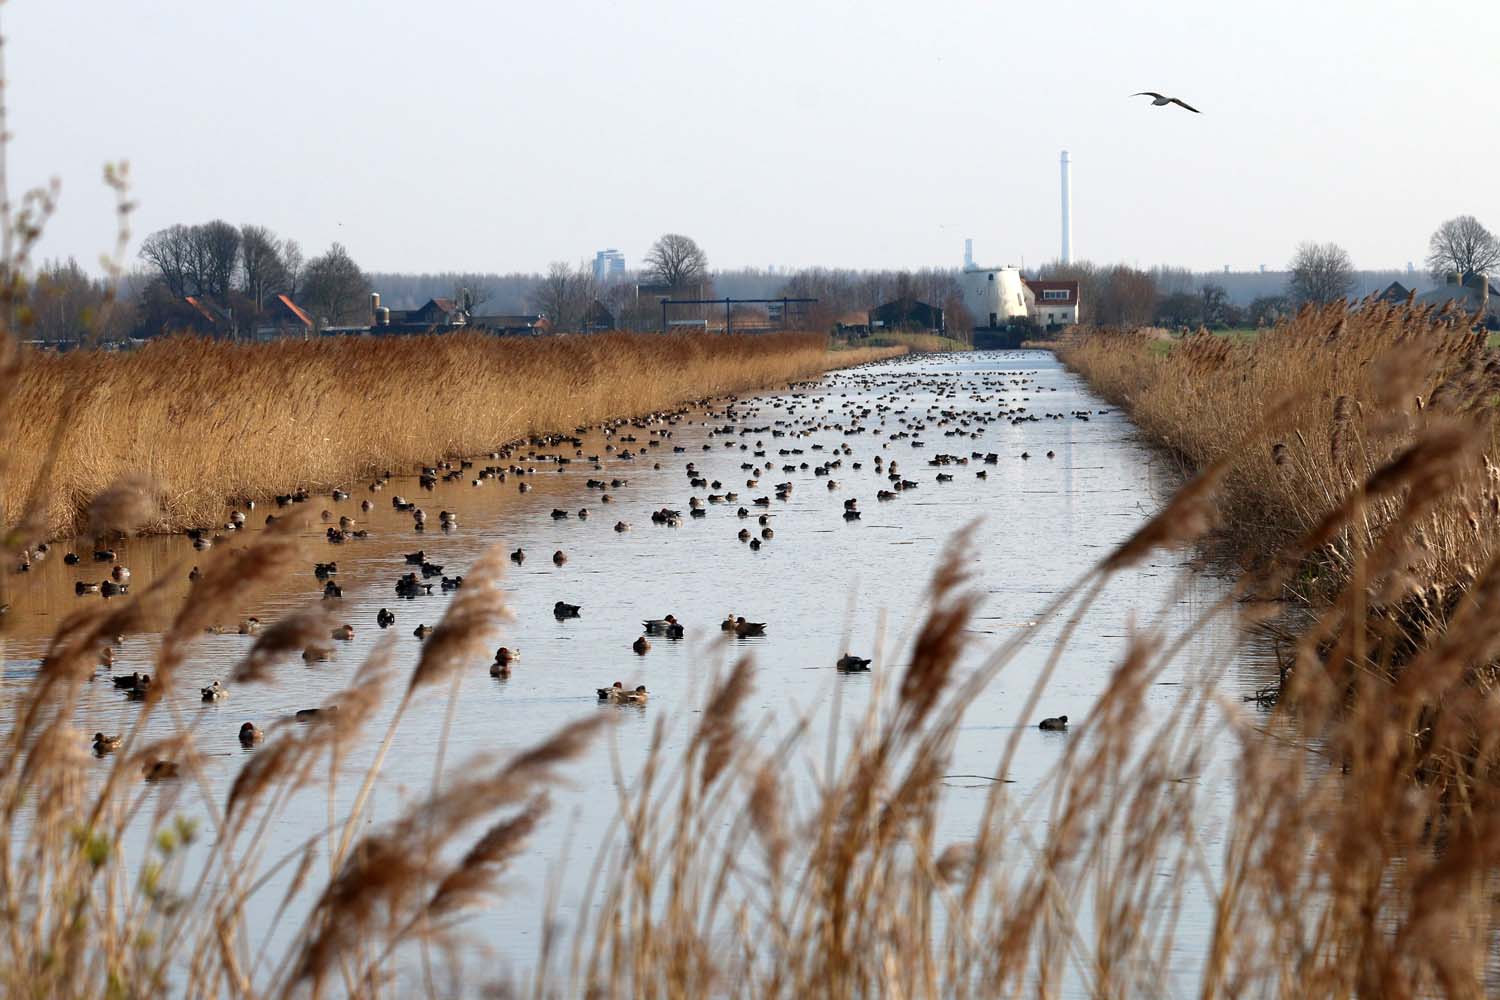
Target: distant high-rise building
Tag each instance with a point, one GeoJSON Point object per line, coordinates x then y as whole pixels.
{"type": "Point", "coordinates": [609, 265]}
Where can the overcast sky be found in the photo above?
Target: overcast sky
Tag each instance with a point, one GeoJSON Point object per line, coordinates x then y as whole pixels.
{"type": "Point", "coordinates": [498, 136]}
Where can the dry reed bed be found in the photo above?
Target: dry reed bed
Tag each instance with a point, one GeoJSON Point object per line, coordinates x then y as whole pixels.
{"type": "Point", "coordinates": [1303, 414]}
{"type": "Point", "coordinates": [207, 420]}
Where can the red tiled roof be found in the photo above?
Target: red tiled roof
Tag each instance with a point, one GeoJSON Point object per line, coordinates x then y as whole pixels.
{"type": "Point", "coordinates": [296, 310]}
{"type": "Point", "coordinates": [1040, 285]}
{"type": "Point", "coordinates": [203, 309]}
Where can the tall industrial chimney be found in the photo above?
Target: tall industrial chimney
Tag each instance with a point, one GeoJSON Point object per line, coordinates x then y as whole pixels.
{"type": "Point", "coordinates": [1067, 216]}
{"type": "Point", "coordinates": [969, 254]}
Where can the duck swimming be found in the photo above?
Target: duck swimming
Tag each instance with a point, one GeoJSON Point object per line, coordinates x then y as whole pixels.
{"type": "Point", "coordinates": [659, 626]}
{"type": "Point", "coordinates": [249, 735]}
{"type": "Point", "coordinates": [850, 664]}
{"type": "Point", "coordinates": [1057, 725]}
{"type": "Point", "coordinates": [107, 744]}
{"type": "Point", "coordinates": [561, 610]}
{"type": "Point", "coordinates": [745, 629]}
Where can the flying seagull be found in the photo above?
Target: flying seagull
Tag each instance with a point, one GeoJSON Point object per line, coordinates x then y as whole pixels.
{"type": "Point", "coordinates": [1160, 99]}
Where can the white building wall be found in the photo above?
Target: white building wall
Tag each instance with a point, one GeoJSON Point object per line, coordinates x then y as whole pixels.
{"type": "Point", "coordinates": [994, 295]}
{"type": "Point", "coordinates": [1044, 313]}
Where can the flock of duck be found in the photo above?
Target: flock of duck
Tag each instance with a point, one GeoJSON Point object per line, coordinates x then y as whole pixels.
{"type": "Point", "coordinates": [770, 448]}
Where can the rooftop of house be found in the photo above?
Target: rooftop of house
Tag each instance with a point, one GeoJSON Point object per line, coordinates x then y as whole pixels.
{"type": "Point", "coordinates": [295, 309]}
{"type": "Point", "coordinates": [1038, 286]}
{"type": "Point", "coordinates": [1467, 293]}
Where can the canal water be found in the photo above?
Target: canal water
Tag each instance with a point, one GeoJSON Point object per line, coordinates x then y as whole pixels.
{"type": "Point", "coordinates": [824, 585]}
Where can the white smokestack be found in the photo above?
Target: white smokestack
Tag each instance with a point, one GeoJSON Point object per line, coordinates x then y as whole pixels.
{"type": "Point", "coordinates": [969, 253]}
{"type": "Point", "coordinates": [1067, 215]}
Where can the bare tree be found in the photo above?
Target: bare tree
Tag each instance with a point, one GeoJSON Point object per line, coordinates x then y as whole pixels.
{"type": "Point", "coordinates": [1216, 305]}
{"type": "Point", "coordinates": [1321, 273]}
{"type": "Point", "coordinates": [1126, 297]}
{"type": "Point", "coordinates": [216, 254]}
{"type": "Point", "coordinates": [293, 267]}
{"type": "Point", "coordinates": [65, 303]}
{"type": "Point", "coordinates": [1180, 309]}
{"type": "Point", "coordinates": [676, 261]}
{"type": "Point", "coordinates": [261, 270]}
{"type": "Point", "coordinates": [472, 290]}
{"type": "Point", "coordinates": [171, 253]}
{"type": "Point", "coordinates": [1463, 245]}
{"type": "Point", "coordinates": [565, 295]}
{"type": "Point", "coordinates": [1267, 310]}
{"type": "Point", "coordinates": [335, 287]}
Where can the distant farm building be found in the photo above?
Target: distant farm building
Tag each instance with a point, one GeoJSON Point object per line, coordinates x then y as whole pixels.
{"type": "Point", "coordinates": [440, 315]}
{"type": "Point", "coordinates": [510, 324]}
{"type": "Point", "coordinates": [1051, 304]}
{"type": "Point", "coordinates": [1395, 293]}
{"type": "Point", "coordinates": [908, 314]}
{"type": "Point", "coordinates": [282, 317]}
{"type": "Point", "coordinates": [204, 315]}
{"type": "Point", "coordinates": [598, 318]}
{"type": "Point", "coordinates": [1468, 296]}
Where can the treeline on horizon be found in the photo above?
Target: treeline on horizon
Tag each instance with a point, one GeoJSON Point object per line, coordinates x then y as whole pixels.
{"type": "Point", "coordinates": [241, 270]}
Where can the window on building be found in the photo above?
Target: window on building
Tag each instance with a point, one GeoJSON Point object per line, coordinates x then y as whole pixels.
{"type": "Point", "coordinates": [1055, 294]}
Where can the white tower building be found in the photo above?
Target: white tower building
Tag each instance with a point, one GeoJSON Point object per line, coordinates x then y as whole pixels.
{"type": "Point", "coordinates": [993, 295]}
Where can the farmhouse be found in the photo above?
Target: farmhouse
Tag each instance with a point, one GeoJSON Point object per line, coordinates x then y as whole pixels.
{"type": "Point", "coordinates": [1470, 295]}
{"type": "Point", "coordinates": [1051, 304]}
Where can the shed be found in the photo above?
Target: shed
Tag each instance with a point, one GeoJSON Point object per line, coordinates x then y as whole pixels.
{"type": "Point", "coordinates": [907, 313]}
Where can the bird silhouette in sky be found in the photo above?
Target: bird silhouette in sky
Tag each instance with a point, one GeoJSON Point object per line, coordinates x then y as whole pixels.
{"type": "Point", "coordinates": [1160, 99]}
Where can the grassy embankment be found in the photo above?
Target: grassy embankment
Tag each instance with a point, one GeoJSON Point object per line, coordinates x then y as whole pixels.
{"type": "Point", "coordinates": [918, 343]}
{"type": "Point", "coordinates": [206, 420]}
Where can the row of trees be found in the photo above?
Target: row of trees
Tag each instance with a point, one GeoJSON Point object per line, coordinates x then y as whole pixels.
{"type": "Point", "coordinates": [1461, 247]}
{"type": "Point", "coordinates": [1319, 273]}
{"type": "Point", "coordinates": [240, 269]}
